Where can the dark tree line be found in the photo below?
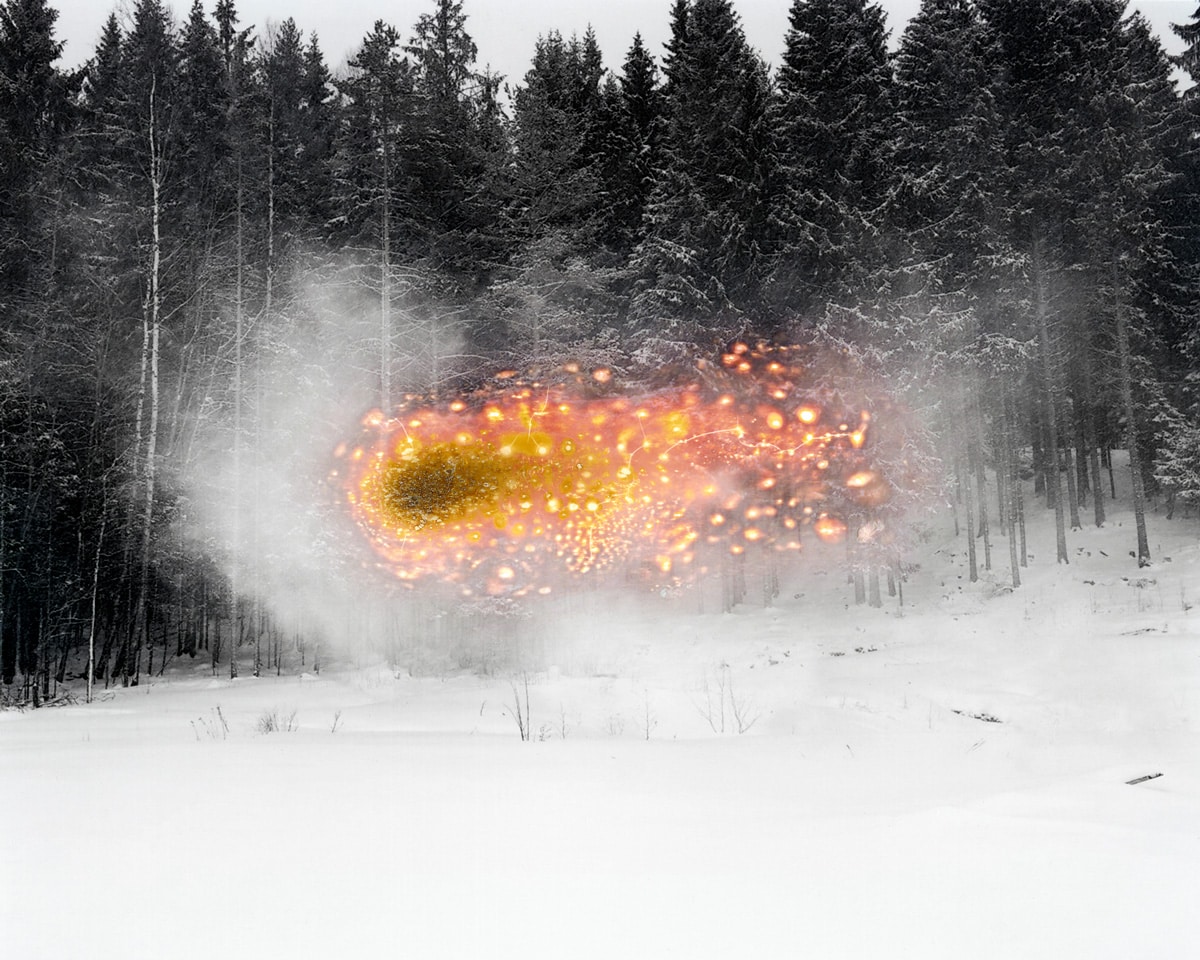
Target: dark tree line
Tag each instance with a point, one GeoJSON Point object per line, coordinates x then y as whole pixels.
{"type": "Point", "coordinates": [1001, 218]}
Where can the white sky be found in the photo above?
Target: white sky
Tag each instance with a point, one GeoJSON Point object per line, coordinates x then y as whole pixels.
{"type": "Point", "coordinates": [505, 30]}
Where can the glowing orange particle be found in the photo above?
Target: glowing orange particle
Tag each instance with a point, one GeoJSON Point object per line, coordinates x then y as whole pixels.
{"type": "Point", "coordinates": [830, 529]}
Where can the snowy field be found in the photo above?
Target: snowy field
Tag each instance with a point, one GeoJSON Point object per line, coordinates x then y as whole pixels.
{"type": "Point", "coordinates": [944, 780]}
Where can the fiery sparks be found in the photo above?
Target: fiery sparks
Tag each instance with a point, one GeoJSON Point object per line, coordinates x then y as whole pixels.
{"type": "Point", "coordinates": [497, 489]}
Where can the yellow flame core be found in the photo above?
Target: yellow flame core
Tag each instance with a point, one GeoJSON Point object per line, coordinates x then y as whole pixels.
{"type": "Point", "coordinates": [440, 485]}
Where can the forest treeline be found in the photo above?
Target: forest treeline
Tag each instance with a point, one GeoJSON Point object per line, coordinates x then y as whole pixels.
{"type": "Point", "coordinates": [999, 217]}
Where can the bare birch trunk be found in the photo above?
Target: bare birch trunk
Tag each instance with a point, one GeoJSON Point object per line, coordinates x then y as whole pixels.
{"type": "Point", "coordinates": [152, 315]}
{"type": "Point", "coordinates": [235, 580]}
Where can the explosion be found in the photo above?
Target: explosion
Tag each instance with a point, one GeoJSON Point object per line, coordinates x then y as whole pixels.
{"type": "Point", "coordinates": [501, 488]}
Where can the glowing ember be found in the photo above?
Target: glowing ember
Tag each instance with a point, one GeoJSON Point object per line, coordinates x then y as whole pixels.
{"type": "Point", "coordinates": [497, 489]}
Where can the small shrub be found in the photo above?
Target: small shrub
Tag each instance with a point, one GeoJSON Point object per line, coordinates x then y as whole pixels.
{"type": "Point", "coordinates": [272, 721]}
{"type": "Point", "coordinates": [213, 726]}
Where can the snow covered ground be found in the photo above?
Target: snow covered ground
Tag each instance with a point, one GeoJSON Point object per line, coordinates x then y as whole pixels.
{"type": "Point", "coordinates": [944, 780]}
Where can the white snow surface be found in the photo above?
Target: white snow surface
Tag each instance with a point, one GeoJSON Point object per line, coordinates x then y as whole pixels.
{"type": "Point", "coordinates": [942, 779]}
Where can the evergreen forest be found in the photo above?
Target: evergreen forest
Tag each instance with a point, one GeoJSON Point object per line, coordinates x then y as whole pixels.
{"type": "Point", "coordinates": [217, 252]}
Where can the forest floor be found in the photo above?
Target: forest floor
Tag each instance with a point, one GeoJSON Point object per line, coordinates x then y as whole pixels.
{"type": "Point", "coordinates": [950, 778]}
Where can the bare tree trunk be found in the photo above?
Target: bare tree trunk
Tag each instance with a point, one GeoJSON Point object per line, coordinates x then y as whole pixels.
{"type": "Point", "coordinates": [3, 549]}
{"type": "Point", "coordinates": [152, 313]}
{"type": "Point", "coordinates": [1131, 437]}
{"type": "Point", "coordinates": [1072, 489]}
{"type": "Point", "coordinates": [1082, 480]}
{"type": "Point", "coordinates": [1097, 487]}
{"type": "Point", "coordinates": [1038, 449]}
{"type": "Point", "coordinates": [1090, 442]}
{"type": "Point", "coordinates": [969, 506]}
{"type": "Point", "coordinates": [91, 666]}
{"type": "Point", "coordinates": [1049, 377]}
{"type": "Point", "coordinates": [235, 570]}
{"type": "Point", "coordinates": [979, 468]}
{"type": "Point", "coordinates": [1012, 480]}
{"type": "Point", "coordinates": [985, 532]}
{"type": "Point", "coordinates": [385, 252]}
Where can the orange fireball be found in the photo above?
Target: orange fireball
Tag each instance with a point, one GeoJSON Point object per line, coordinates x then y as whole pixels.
{"type": "Point", "coordinates": [498, 488]}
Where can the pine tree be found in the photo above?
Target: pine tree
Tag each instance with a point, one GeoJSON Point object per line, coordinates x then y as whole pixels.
{"type": "Point", "coordinates": [630, 116]}
{"type": "Point", "coordinates": [698, 267]}
{"type": "Point", "coordinates": [39, 485]}
{"type": "Point", "coordinates": [833, 124]}
{"type": "Point", "coordinates": [554, 183]}
{"type": "Point", "coordinates": [1089, 115]}
{"type": "Point", "coordinates": [379, 91]}
{"type": "Point", "coordinates": [319, 107]}
{"type": "Point", "coordinates": [33, 110]}
{"type": "Point", "coordinates": [143, 123]}
{"type": "Point", "coordinates": [952, 324]}
{"type": "Point", "coordinates": [103, 72]}
{"type": "Point", "coordinates": [1189, 60]}
{"type": "Point", "coordinates": [946, 145]}
{"type": "Point", "coordinates": [557, 273]}
{"type": "Point", "coordinates": [203, 100]}
{"type": "Point", "coordinates": [1032, 46]}
{"type": "Point", "coordinates": [1131, 130]}
{"type": "Point", "coordinates": [1178, 463]}
{"type": "Point", "coordinates": [454, 210]}
{"type": "Point", "coordinates": [674, 47]}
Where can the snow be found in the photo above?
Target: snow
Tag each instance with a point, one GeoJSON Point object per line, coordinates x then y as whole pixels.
{"type": "Point", "coordinates": [948, 779]}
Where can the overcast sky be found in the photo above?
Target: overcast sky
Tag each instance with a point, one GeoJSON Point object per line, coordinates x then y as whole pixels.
{"type": "Point", "coordinates": [505, 30]}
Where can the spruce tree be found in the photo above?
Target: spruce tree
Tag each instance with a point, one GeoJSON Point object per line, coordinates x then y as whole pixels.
{"type": "Point", "coordinates": [632, 114]}
{"type": "Point", "coordinates": [1130, 131]}
{"type": "Point", "coordinates": [949, 303]}
{"type": "Point", "coordinates": [553, 288]}
{"type": "Point", "coordinates": [33, 111]}
{"type": "Point", "coordinates": [698, 267]}
{"type": "Point", "coordinates": [204, 108]}
{"type": "Point", "coordinates": [373, 182]}
{"type": "Point", "coordinates": [320, 109]}
{"type": "Point", "coordinates": [832, 121]}
{"type": "Point", "coordinates": [39, 485]}
{"type": "Point", "coordinates": [1177, 466]}
{"type": "Point", "coordinates": [454, 209]}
